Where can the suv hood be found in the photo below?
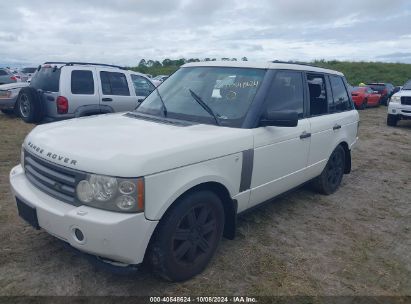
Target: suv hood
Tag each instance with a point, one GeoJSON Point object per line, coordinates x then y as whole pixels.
{"type": "Point", "coordinates": [403, 93]}
{"type": "Point", "coordinates": [117, 145]}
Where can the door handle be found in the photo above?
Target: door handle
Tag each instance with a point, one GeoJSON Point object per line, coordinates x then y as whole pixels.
{"type": "Point", "coordinates": [336, 127]}
{"type": "Point", "coordinates": [107, 99]}
{"type": "Point", "coordinates": [305, 135]}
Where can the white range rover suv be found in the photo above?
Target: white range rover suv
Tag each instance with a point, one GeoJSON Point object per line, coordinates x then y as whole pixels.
{"type": "Point", "coordinates": [165, 182]}
{"type": "Point", "coordinates": [400, 105]}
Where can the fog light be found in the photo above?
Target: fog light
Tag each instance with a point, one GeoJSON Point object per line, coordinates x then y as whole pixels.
{"type": "Point", "coordinates": [79, 234]}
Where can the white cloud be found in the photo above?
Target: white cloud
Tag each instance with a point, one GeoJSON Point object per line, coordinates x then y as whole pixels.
{"type": "Point", "coordinates": [124, 31]}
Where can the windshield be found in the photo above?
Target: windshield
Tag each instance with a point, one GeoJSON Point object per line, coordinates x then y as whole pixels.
{"type": "Point", "coordinates": [227, 91]}
{"type": "Point", "coordinates": [47, 79]}
{"type": "Point", "coordinates": [407, 85]}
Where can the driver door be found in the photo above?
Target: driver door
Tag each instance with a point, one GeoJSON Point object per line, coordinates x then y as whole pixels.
{"type": "Point", "coordinates": [281, 153]}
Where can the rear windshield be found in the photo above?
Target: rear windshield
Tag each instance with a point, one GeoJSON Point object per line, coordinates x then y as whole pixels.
{"type": "Point", "coordinates": [47, 79]}
{"type": "Point", "coordinates": [377, 87]}
{"type": "Point", "coordinates": [29, 70]}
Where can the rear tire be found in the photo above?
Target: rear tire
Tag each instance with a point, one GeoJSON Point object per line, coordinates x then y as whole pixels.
{"type": "Point", "coordinates": [331, 177]}
{"type": "Point", "coordinates": [187, 236]}
{"type": "Point", "coordinates": [392, 120]}
{"type": "Point", "coordinates": [29, 106]}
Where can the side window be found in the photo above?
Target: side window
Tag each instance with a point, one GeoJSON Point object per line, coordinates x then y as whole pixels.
{"type": "Point", "coordinates": [287, 92]}
{"type": "Point", "coordinates": [82, 82]}
{"type": "Point", "coordinates": [142, 86]}
{"type": "Point", "coordinates": [340, 96]}
{"type": "Point", "coordinates": [318, 94]}
{"type": "Point", "coordinates": [3, 73]}
{"type": "Point", "coordinates": [114, 83]}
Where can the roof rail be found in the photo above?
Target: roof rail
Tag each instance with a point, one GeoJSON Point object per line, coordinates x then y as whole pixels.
{"type": "Point", "coordinates": [295, 62]}
{"type": "Point", "coordinates": [85, 63]}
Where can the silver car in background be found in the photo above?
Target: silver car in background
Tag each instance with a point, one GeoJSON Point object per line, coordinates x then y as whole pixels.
{"type": "Point", "coordinates": [7, 76]}
{"type": "Point", "coordinates": [8, 96]}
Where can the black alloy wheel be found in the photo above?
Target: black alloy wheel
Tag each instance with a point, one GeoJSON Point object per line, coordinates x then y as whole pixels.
{"type": "Point", "coordinates": [187, 236]}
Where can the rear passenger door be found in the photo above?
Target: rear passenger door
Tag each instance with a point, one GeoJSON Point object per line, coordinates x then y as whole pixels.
{"type": "Point", "coordinates": [330, 108]}
{"type": "Point", "coordinates": [81, 90]}
{"type": "Point", "coordinates": [116, 91]}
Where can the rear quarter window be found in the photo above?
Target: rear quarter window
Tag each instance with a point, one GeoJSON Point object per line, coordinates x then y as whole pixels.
{"type": "Point", "coordinates": [340, 96]}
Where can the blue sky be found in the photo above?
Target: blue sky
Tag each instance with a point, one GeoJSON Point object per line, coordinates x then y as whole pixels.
{"type": "Point", "coordinates": [124, 31]}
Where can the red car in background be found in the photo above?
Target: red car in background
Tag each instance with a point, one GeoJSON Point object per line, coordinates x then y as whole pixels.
{"type": "Point", "coordinates": [365, 96]}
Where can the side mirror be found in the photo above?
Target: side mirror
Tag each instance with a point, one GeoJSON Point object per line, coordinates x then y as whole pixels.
{"type": "Point", "coordinates": [279, 119]}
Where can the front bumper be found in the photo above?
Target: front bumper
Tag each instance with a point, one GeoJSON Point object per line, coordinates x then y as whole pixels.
{"type": "Point", "coordinates": [116, 236]}
{"type": "Point", "coordinates": [7, 103]}
{"type": "Point", "coordinates": [395, 108]}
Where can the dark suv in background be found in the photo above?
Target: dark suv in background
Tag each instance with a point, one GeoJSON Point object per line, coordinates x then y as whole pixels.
{"type": "Point", "coordinates": [385, 89]}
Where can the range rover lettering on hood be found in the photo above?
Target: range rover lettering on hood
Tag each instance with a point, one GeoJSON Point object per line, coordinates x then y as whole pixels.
{"type": "Point", "coordinates": [51, 155]}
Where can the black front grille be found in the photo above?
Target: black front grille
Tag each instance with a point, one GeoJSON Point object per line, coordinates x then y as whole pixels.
{"type": "Point", "coordinates": [55, 180]}
{"type": "Point", "coordinates": [406, 100]}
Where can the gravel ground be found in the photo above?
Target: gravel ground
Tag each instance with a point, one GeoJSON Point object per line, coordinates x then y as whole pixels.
{"type": "Point", "coordinates": [355, 242]}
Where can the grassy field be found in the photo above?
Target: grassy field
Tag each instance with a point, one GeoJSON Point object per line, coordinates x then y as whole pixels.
{"type": "Point", "coordinates": [354, 242]}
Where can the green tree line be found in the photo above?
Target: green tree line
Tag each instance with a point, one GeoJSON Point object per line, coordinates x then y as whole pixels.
{"type": "Point", "coordinates": [355, 72]}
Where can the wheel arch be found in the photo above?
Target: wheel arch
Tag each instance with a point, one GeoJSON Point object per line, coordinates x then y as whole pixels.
{"type": "Point", "coordinates": [230, 206]}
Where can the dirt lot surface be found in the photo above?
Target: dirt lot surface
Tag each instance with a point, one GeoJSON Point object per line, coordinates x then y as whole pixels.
{"type": "Point", "coordinates": [355, 242]}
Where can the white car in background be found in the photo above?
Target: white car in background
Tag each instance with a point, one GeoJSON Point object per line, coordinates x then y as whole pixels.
{"type": "Point", "coordinates": [400, 105]}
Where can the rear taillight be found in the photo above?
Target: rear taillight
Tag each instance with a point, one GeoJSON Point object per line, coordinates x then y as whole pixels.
{"type": "Point", "coordinates": [62, 105]}
{"type": "Point", "coordinates": [13, 78]}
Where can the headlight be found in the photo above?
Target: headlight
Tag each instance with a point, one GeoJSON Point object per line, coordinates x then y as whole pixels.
{"type": "Point", "coordinates": [111, 193]}
{"type": "Point", "coordinates": [395, 99]}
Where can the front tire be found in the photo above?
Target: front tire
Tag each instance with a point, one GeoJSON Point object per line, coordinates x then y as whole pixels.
{"type": "Point", "coordinates": [187, 236]}
{"type": "Point", "coordinates": [330, 179]}
{"type": "Point", "coordinates": [392, 120]}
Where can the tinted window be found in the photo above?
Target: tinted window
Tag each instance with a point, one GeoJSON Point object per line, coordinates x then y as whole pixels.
{"type": "Point", "coordinates": [3, 73]}
{"type": "Point", "coordinates": [47, 79]}
{"type": "Point", "coordinates": [340, 96]}
{"type": "Point", "coordinates": [142, 86]}
{"type": "Point", "coordinates": [82, 82]}
{"type": "Point", "coordinates": [377, 87]}
{"type": "Point", "coordinates": [29, 70]}
{"type": "Point", "coordinates": [318, 94]}
{"type": "Point", "coordinates": [114, 83]}
{"type": "Point", "coordinates": [286, 92]}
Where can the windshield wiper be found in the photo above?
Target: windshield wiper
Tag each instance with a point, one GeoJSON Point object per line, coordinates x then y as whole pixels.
{"type": "Point", "coordinates": [204, 106]}
{"type": "Point", "coordinates": [163, 107]}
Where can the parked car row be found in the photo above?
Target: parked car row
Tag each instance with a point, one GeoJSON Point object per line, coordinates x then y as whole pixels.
{"type": "Point", "coordinates": [62, 90]}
